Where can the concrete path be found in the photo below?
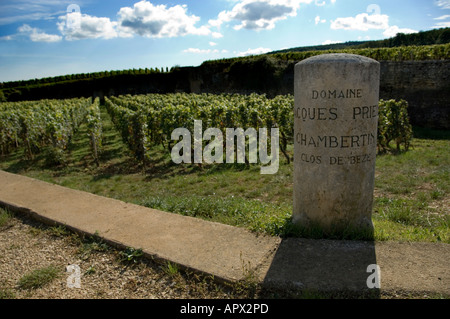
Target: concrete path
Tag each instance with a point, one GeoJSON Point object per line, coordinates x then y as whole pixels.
{"type": "Point", "coordinates": [232, 253]}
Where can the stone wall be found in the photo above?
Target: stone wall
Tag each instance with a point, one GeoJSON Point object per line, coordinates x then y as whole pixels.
{"type": "Point", "coordinates": [424, 84]}
{"type": "Point", "coordinates": [426, 87]}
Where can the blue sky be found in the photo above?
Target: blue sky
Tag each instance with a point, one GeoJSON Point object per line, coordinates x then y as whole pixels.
{"type": "Point", "coordinates": [49, 38]}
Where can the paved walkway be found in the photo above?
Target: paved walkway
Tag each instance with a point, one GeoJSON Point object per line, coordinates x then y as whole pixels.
{"type": "Point", "coordinates": [232, 253]}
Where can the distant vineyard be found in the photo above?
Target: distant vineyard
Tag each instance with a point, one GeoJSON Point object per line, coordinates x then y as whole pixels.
{"type": "Point", "coordinates": [34, 125]}
{"type": "Point", "coordinates": [403, 53]}
{"type": "Point", "coordinates": [146, 121]}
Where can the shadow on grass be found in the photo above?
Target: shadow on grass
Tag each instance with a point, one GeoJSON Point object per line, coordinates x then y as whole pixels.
{"type": "Point", "coordinates": [166, 168]}
{"type": "Point", "coordinates": [19, 166]}
{"type": "Point", "coordinates": [110, 154]}
{"type": "Point", "coordinates": [42, 160]}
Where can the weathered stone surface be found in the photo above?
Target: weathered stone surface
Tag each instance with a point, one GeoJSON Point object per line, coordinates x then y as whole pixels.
{"type": "Point", "coordinates": [335, 130]}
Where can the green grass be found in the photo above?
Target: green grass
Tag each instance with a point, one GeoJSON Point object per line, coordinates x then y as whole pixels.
{"type": "Point", "coordinates": [88, 245]}
{"type": "Point", "coordinates": [414, 191]}
{"type": "Point", "coordinates": [237, 211]}
{"type": "Point", "coordinates": [58, 231]}
{"type": "Point", "coordinates": [409, 219]}
{"type": "Point", "coordinates": [131, 255]}
{"type": "Point", "coordinates": [5, 218]}
{"type": "Point", "coordinates": [411, 197]}
{"type": "Point", "coordinates": [171, 269]}
{"type": "Point", "coordinates": [39, 278]}
{"type": "Point", "coordinates": [6, 293]}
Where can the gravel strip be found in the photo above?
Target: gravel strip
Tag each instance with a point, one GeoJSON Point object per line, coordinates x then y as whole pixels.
{"type": "Point", "coordinates": [26, 246]}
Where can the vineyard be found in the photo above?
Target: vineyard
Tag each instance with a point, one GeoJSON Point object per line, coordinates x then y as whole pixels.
{"type": "Point", "coordinates": [49, 124]}
{"type": "Point", "coordinates": [147, 121]}
{"type": "Point", "coordinates": [122, 149]}
{"type": "Point", "coordinates": [402, 53]}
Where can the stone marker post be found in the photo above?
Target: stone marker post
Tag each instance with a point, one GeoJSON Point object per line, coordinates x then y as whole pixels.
{"type": "Point", "coordinates": [335, 132]}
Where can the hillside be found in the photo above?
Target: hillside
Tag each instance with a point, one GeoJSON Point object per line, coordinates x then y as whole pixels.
{"type": "Point", "coordinates": [437, 36]}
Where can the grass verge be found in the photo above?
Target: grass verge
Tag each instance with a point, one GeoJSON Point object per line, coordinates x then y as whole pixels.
{"type": "Point", "coordinates": [5, 218]}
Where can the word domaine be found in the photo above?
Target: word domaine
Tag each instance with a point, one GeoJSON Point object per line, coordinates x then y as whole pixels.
{"type": "Point", "coordinates": [213, 151]}
{"type": "Point", "coordinates": [337, 94]}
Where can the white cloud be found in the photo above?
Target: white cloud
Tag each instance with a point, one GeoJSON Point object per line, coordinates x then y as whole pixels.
{"type": "Point", "coordinates": [362, 22]}
{"type": "Point", "coordinates": [77, 26]}
{"type": "Point", "coordinates": [212, 43]}
{"type": "Point", "coordinates": [254, 51]}
{"type": "Point", "coordinates": [37, 35]}
{"type": "Point", "coordinates": [321, 3]}
{"type": "Point", "coordinates": [365, 22]}
{"type": "Point", "coordinates": [25, 17]}
{"type": "Point", "coordinates": [443, 4]}
{"type": "Point", "coordinates": [200, 51]}
{"type": "Point", "coordinates": [44, 37]}
{"type": "Point", "coordinates": [215, 23]}
{"type": "Point", "coordinates": [143, 19]}
{"type": "Point", "coordinates": [258, 14]}
{"type": "Point", "coordinates": [442, 24]}
{"type": "Point", "coordinates": [31, 10]}
{"type": "Point", "coordinates": [6, 38]}
{"type": "Point", "coordinates": [158, 21]}
{"type": "Point", "coordinates": [216, 35]}
{"type": "Point", "coordinates": [330, 42]}
{"type": "Point", "coordinates": [393, 30]}
{"type": "Point", "coordinates": [443, 17]}
{"type": "Point", "coordinates": [317, 20]}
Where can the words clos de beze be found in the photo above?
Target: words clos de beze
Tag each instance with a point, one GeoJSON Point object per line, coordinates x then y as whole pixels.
{"type": "Point", "coordinates": [332, 113]}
